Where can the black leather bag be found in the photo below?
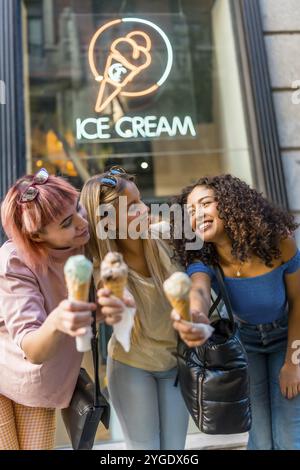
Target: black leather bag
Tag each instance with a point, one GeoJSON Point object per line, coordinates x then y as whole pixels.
{"type": "Point", "coordinates": [214, 377]}
{"type": "Point", "coordinates": [88, 407]}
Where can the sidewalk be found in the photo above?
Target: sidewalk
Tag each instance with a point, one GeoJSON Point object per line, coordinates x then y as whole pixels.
{"type": "Point", "coordinates": [197, 441]}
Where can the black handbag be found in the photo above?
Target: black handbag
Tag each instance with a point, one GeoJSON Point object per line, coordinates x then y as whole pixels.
{"type": "Point", "coordinates": [88, 406]}
{"type": "Point", "coordinates": [214, 377]}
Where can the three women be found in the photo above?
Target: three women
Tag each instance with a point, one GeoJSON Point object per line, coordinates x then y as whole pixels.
{"type": "Point", "coordinates": [249, 238]}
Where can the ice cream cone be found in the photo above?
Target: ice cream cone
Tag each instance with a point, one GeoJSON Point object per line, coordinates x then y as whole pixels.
{"type": "Point", "coordinates": [110, 88]}
{"type": "Point", "coordinates": [114, 273]}
{"type": "Point", "coordinates": [119, 71]}
{"type": "Point", "coordinates": [182, 306]}
{"type": "Point", "coordinates": [177, 289]}
{"type": "Point", "coordinates": [106, 94]}
{"type": "Point", "coordinates": [78, 272]}
{"type": "Point", "coordinates": [77, 291]}
{"type": "Point", "coordinates": [116, 287]}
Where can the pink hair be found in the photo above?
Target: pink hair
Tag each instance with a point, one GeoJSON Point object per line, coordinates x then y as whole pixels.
{"type": "Point", "coordinates": [21, 220]}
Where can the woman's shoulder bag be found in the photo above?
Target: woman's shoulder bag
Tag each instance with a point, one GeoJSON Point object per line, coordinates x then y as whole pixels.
{"type": "Point", "coordinates": [214, 377]}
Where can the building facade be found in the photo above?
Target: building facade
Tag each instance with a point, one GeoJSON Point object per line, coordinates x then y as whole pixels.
{"type": "Point", "coordinates": [281, 29]}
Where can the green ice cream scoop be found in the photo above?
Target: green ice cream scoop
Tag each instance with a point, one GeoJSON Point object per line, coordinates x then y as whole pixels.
{"type": "Point", "coordinates": [78, 268]}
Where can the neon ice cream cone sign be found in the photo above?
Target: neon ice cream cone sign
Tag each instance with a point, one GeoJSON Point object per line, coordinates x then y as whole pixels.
{"type": "Point", "coordinates": [121, 69]}
{"type": "Point", "coordinates": [132, 58]}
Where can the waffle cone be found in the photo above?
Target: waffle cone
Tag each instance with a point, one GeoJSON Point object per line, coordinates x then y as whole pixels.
{"type": "Point", "coordinates": [78, 291]}
{"type": "Point", "coordinates": [182, 306]}
{"type": "Point", "coordinates": [116, 286]}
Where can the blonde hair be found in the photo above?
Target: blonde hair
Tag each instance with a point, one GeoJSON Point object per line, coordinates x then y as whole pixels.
{"type": "Point", "coordinates": [92, 195]}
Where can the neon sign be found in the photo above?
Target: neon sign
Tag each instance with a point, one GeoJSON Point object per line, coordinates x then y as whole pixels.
{"type": "Point", "coordinates": [120, 72]}
{"type": "Point", "coordinates": [134, 127]}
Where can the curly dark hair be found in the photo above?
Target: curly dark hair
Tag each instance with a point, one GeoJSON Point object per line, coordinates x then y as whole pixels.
{"type": "Point", "coordinates": [253, 224]}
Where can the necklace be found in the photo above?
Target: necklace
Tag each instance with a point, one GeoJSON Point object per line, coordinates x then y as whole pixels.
{"type": "Point", "coordinates": [239, 270]}
{"type": "Point", "coordinates": [236, 266]}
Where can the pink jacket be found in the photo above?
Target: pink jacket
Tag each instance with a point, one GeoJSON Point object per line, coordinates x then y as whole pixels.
{"type": "Point", "coordinates": [26, 298]}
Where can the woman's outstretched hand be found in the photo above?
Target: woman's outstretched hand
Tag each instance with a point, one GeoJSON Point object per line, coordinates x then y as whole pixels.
{"type": "Point", "coordinates": [72, 317]}
{"type": "Point", "coordinates": [189, 332]}
{"type": "Point", "coordinates": [113, 308]}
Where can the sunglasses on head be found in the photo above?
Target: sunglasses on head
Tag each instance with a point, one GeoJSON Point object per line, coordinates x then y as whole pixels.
{"type": "Point", "coordinates": [109, 179]}
{"type": "Point", "coordinates": [31, 191]}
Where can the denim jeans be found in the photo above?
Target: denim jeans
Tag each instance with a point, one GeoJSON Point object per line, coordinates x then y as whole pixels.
{"type": "Point", "coordinates": [150, 409]}
{"type": "Point", "coordinates": [276, 420]}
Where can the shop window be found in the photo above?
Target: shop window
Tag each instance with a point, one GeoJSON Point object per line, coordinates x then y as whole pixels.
{"type": "Point", "coordinates": [190, 125]}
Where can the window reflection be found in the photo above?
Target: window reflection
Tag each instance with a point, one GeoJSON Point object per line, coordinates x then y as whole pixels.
{"type": "Point", "coordinates": [62, 88]}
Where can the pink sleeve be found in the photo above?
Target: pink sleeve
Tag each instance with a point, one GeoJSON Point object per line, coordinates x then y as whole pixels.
{"type": "Point", "coordinates": [21, 302]}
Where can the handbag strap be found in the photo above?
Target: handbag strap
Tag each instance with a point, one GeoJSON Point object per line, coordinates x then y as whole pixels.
{"type": "Point", "coordinates": [97, 389]}
{"type": "Point", "coordinates": [220, 278]}
{"type": "Point", "coordinates": [215, 304]}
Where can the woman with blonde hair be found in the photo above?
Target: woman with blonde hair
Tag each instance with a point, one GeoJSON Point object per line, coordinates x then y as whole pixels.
{"type": "Point", "coordinates": [39, 363]}
{"type": "Point", "coordinates": [150, 408]}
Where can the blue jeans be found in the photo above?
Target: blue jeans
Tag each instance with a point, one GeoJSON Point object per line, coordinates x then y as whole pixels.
{"type": "Point", "coordinates": [276, 420]}
{"type": "Point", "coordinates": [150, 409]}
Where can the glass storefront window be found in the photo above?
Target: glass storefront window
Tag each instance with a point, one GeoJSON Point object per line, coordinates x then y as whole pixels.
{"type": "Point", "coordinates": [199, 100]}
{"type": "Point", "coordinates": [152, 86]}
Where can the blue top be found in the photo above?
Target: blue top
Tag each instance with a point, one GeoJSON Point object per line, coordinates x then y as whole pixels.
{"type": "Point", "coordinates": [259, 299]}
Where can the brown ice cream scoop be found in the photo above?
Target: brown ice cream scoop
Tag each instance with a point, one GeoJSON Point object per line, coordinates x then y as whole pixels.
{"type": "Point", "coordinates": [114, 273]}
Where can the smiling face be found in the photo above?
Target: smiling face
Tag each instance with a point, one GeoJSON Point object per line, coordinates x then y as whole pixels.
{"type": "Point", "coordinates": [204, 215]}
{"type": "Point", "coordinates": [69, 231]}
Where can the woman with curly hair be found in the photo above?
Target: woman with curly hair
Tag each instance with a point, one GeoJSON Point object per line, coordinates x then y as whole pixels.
{"type": "Point", "coordinates": [252, 241]}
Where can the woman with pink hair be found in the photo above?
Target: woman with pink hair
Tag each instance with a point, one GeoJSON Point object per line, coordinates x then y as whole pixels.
{"type": "Point", "coordinates": [39, 363]}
